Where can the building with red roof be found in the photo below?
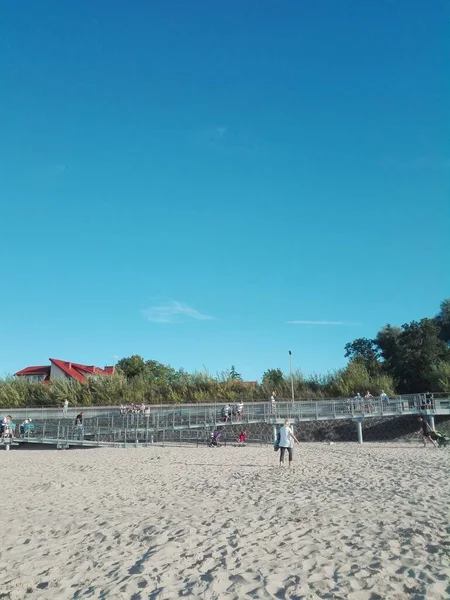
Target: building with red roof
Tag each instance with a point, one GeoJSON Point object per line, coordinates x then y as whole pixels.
{"type": "Point", "coordinates": [61, 369]}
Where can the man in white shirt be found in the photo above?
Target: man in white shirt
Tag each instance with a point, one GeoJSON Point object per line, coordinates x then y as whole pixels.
{"type": "Point", "coordinates": [239, 409]}
{"type": "Point", "coordinates": [273, 403]}
{"type": "Point", "coordinates": [65, 407]}
{"type": "Point", "coordinates": [286, 442]}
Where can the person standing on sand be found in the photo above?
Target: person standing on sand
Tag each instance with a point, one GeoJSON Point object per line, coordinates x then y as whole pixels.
{"type": "Point", "coordinates": [287, 439]}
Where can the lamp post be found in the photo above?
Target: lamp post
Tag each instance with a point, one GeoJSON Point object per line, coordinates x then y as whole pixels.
{"type": "Point", "coordinates": [292, 376]}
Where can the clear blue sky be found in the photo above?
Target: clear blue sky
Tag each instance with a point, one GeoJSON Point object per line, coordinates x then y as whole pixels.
{"type": "Point", "coordinates": [254, 162]}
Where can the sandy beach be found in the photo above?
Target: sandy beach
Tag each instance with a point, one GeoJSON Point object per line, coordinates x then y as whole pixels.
{"type": "Point", "coordinates": [349, 522]}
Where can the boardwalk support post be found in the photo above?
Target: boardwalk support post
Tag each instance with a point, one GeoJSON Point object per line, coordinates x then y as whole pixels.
{"type": "Point", "coordinates": [431, 421]}
{"type": "Point", "coordinates": [275, 433]}
{"type": "Point", "coordinates": [359, 430]}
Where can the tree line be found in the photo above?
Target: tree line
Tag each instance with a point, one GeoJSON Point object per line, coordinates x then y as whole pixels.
{"type": "Point", "coordinates": [412, 358]}
{"type": "Point", "coordinates": [416, 355]}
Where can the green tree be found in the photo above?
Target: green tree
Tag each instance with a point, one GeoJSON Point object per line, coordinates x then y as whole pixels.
{"type": "Point", "coordinates": [366, 352]}
{"type": "Point", "coordinates": [441, 377]}
{"type": "Point", "coordinates": [132, 366]}
{"type": "Point", "coordinates": [160, 373]}
{"type": "Point", "coordinates": [388, 343]}
{"type": "Point", "coordinates": [273, 378]}
{"type": "Point", "coordinates": [421, 350]}
{"type": "Point", "coordinates": [443, 321]}
{"type": "Point", "coordinates": [234, 374]}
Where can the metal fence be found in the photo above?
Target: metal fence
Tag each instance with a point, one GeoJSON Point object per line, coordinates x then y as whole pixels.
{"type": "Point", "coordinates": [192, 424]}
{"type": "Point", "coordinates": [192, 414]}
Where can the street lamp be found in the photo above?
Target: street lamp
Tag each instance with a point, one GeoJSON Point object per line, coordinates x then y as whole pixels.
{"type": "Point", "coordinates": [292, 376]}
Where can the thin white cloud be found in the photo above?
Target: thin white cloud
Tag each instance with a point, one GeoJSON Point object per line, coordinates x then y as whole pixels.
{"type": "Point", "coordinates": [332, 323]}
{"type": "Point", "coordinates": [174, 312]}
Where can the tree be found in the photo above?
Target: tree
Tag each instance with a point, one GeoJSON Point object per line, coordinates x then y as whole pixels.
{"type": "Point", "coordinates": [441, 377]}
{"type": "Point", "coordinates": [132, 366]}
{"type": "Point", "coordinates": [388, 343]}
{"type": "Point", "coordinates": [443, 321]}
{"type": "Point", "coordinates": [234, 374]}
{"type": "Point", "coordinates": [160, 373]}
{"type": "Point", "coordinates": [273, 378]}
{"type": "Point", "coordinates": [364, 351]}
{"type": "Point", "coordinates": [421, 350]}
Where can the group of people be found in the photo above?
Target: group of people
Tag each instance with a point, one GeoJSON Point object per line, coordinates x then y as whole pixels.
{"type": "Point", "coordinates": [286, 439]}
{"type": "Point", "coordinates": [228, 412]}
{"type": "Point", "coordinates": [358, 401]}
{"type": "Point", "coordinates": [215, 437]}
{"type": "Point", "coordinates": [133, 409]}
{"type": "Point", "coordinates": [8, 428]}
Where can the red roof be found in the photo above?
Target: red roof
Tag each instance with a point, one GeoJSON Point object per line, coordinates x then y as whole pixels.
{"type": "Point", "coordinates": [45, 370]}
{"type": "Point", "coordinates": [73, 370]}
{"type": "Point", "coordinates": [78, 371]}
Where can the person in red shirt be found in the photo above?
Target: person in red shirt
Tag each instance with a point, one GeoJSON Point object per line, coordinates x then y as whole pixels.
{"type": "Point", "coordinates": [242, 437]}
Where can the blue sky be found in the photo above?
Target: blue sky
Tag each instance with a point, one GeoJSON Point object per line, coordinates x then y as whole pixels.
{"type": "Point", "coordinates": [182, 179]}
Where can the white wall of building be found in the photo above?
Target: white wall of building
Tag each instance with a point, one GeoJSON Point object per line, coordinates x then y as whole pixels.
{"type": "Point", "coordinates": [56, 373]}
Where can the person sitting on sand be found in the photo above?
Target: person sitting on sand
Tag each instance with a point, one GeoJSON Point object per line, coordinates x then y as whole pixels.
{"type": "Point", "coordinates": [287, 439]}
{"type": "Point", "coordinates": [242, 437]}
{"type": "Point", "coordinates": [426, 432]}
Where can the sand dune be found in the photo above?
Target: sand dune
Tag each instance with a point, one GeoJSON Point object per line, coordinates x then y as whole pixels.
{"type": "Point", "coordinates": [350, 522]}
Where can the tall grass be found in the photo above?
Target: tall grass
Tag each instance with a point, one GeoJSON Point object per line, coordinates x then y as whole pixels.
{"type": "Point", "coordinates": [188, 388]}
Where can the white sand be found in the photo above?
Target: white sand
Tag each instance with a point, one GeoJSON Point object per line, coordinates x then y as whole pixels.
{"type": "Point", "coordinates": [350, 523]}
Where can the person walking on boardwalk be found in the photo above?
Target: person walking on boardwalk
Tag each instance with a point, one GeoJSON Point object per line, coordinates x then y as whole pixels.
{"type": "Point", "coordinates": [286, 442]}
{"type": "Point", "coordinates": [239, 410]}
{"type": "Point", "coordinates": [273, 403]}
{"type": "Point", "coordinates": [65, 407]}
{"type": "Point", "coordinates": [79, 425]}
